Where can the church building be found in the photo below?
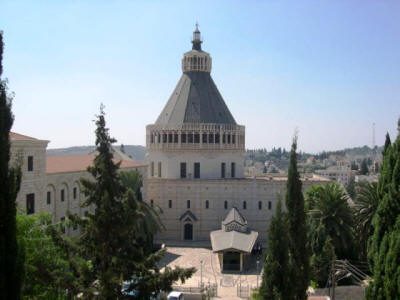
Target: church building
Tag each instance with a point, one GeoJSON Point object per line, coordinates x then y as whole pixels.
{"type": "Point", "coordinates": [195, 157]}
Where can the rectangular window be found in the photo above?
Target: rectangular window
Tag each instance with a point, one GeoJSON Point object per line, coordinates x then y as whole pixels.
{"type": "Point", "coordinates": [224, 138]}
{"type": "Point", "coordinates": [269, 205]}
{"type": "Point", "coordinates": [226, 204]}
{"type": "Point", "coordinates": [62, 195]}
{"type": "Point", "coordinates": [30, 204]}
{"type": "Point", "coordinates": [197, 138]}
{"type": "Point", "coordinates": [197, 170]}
{"type": "Point", "coordinates": [159, 138]}
{"type": "Point", "coordinates": [152, 138]}
{"type": "Point", "coordinates": [164, 138]}
{"type": "Point", "coordinates": [48, 198]}
{"type": "Point", "coordinates": [30, 163]}
{"type": "Point", "coordinates": [169, 203]}
{"type": "Point", "coordinates": [183, 138]}
{"type": "Point", "coordinates": [204, 139]}
{"type": "Point", "coordinates": [175, 138]}
{"type": "Point", "coordinates": [217, 138]}
{"type": "Point", "coordinates": [152, 169]}
{"type": "Point", "coordinates": [211, 138]}
{"type": "Point", "coordinates": [190, 138]}
{"type": "Point", "coordinates": [229, 138]}
{"type": "Point", "coordinates": [152, 203]}
{"type": "Point", "coordinates": [62, 219]}
{"type": "Point", "coordinates": [169, 137]}
{"type": "Point", "coordinates": [233, 139]}
{"type": "Point", "coordinates": [223, 170]}
{"type": "Point", "coordinates": [75, 227]}
{"type": "Point", "coordinates": [183, 170]}
{"type": "Point", "coordinates": [259, 205]}
{"type": "Point", "coordinates": [159, 169]}
{"type": "Point", "coordinates": [74, 192]}
{"type": "Point", "coordinates": [233, 165]}
{"type": "Point", "coordinates": [188, 204]}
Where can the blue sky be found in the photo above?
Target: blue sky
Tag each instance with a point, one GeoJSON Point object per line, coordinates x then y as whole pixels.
{"type": "Point", "coordinates": [328, 68]}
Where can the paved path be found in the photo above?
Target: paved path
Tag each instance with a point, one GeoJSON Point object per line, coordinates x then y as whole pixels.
{"type": "Point", "coordinates": [192, 257]}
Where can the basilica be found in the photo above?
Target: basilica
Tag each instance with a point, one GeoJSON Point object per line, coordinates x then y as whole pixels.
{"type": "Point", "coordinates": [195, 159]}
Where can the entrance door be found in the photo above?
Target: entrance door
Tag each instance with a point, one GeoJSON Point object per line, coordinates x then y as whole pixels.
{"type": "Point", "coordinates": [231, 261]}
{"type": "Point", "coordinates": [188, 234]}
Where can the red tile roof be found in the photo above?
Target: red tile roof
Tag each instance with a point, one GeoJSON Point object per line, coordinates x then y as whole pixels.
{"type": "Point", "coordinates": [17, 136]}
{"type": "Point", "coordinates": [76, 163]}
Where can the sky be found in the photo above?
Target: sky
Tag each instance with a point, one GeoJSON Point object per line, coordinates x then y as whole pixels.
{"type": "Point", "coordinates": [329, 69]}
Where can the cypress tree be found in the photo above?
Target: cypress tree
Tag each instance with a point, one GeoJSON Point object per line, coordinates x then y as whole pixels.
{"type": "Point", "coordinates": [10, 178]}
{"type": "Point", "coordinates": [275, 279]}
{"type": "Point", "coordinates": [111, 238]}
{"type": "Point", "coordinates": [384, 245]}
{"type": "Point", "coordinates": [299, 252]}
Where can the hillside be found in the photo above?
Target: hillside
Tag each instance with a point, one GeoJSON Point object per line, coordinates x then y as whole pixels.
{"type": "Point", "coordinates": [136, 152]}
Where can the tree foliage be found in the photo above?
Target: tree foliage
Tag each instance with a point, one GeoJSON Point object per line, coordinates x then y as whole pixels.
{"type": "Point", "coordinates": [299, 253]}
{"type": "Point", "coordinates": [10, 178]}
{"type": "Point", "coordinates": [327, 207]}
{"type": "Point", "coordinates": [276, 275]}
{"type": "Point", "coordinates": [384, 245]}
{"type": "Point", "coordinates": [111, 241]}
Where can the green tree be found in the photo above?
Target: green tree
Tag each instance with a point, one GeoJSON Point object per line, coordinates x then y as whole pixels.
{"type": "Point", "coordinates": [366, 204]}
{"type": "Point", "coordinates": [351, 187]}
{"type": "Point", "coordinates": [276, 273]}
{"type": "Point", "coordinates": [364, 167]}
{"type": "Point", "coordinates": [327, 205]}
{"type": "Point", "coordinates": [299, 252]}
{"type": "Point", "coordinates": [46, 269]}
{"type": "Point", "coordinates": [383, 247]}
{"type": "Point", "coordinates": [10, 178]}
{"type": "Point", "coordinates": [111, 237]}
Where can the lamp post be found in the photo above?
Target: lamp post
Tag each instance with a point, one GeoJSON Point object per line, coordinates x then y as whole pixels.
{"type": "Point", "coordinates": [201, 274]}
{"type": "Point", "coordinates": [258, 262]}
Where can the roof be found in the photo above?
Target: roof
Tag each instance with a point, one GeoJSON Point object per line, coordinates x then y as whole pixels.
{"type": "Point", "coordinates": [76, 163]}
{"type": "Point", "coordinates": [188, 213]}
{"type": "Point", "coordinates": [234, 216]}
{"type": "Point", "coordinates": [233, 240]}
{"type": "Point", "coordinates": [195, 99]}
{"type": "Point", "coordinates": [17, 136]}
{"type": "Point", "coordinates": [175, 294]}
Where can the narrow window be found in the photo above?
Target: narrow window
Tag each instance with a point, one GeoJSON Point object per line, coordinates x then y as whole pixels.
{"type": "Point", "coordinates": [259, 205]}
{"type": "Point", "coordinates": [74, 192]}
{"type": "Point", "coordinates": [175, 138]}
{"type": "Point", "coordinates": [233, 165]}
{"type": "Point", "coordinates": [197, 170]}
{"type": "Point", "coordinates": [244, 205]}
{"type": "Point", "coordinates": [169, 137]}
{"type": "Point", "coordinates": [229, 138]}
{"type": "Point", "coordinates": [159, 169]}
{"type": "Point", "coordinates": [207, 204]}
{"type": "Point", "coordinates": [30, 204]}
{"type": "Point", "coordinates": [159, 138]}
{"type": "Point", "coordinates": [233, 139]}
{"type": "Point", "coordinates": [48, 197]}
{"type": "Point", "coordinates": [188, 204]}
{"type": "Point", "coordinates": [211, 138]}
{"type": "Point", "coordinates": [152, 169]}
{"type": "Point", "coordinates": [30, 163]}
{"type": "Point", "coordinates": [62, 195]}
{"type": "Point", "coordinates": [169, 203]}
{"type": "Point", "coordinates": [152, 138]}
{"type": "Point", "coordinates": [224, 138]}
{"type": "Point", "coordinates": [217, 138]}
{"type": "Point", "coordinates": [183, 138]}
{"type": "Point", "coordinates": [152, 203]}
{"type": "Point", "coordinates": [204, 138]}
{"type": "Point", "coordinates": [223, 170]}
{"type": "Point", "coordinates": [190, 138]}
{"type": "Point", "coordinates": [226, 204]}
{"type": "Point", "coordinates": [183, 170]}
{"type": "Point", "coordinates": [164, 138]}
{"type": "Point", "coordinates": [197, 138]}
{"type": "Point", "coordinates": [269, 205]}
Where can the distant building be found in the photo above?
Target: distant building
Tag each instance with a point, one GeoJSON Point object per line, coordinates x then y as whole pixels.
{"type": "Point", "coordinates": [339, 175]}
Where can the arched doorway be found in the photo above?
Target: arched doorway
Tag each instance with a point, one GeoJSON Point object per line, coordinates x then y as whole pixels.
{"type": "Point", "coordinates": [188, 231]}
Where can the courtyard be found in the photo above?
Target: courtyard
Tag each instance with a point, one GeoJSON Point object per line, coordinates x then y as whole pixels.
{"type": "Point", "coordinates": [209, 271]}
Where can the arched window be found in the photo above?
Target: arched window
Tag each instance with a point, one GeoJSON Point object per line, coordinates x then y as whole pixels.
{"type": "Point", "coordinates": [259, 205]}
{"type": "Point", "coordinates": [244, 205]}
{"type": "Point", "coordinates": [207, 204]}
{"type": "Point", "coordinates": [226, 204]}
{"type": "Point", "coordinates": [188, 204]}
